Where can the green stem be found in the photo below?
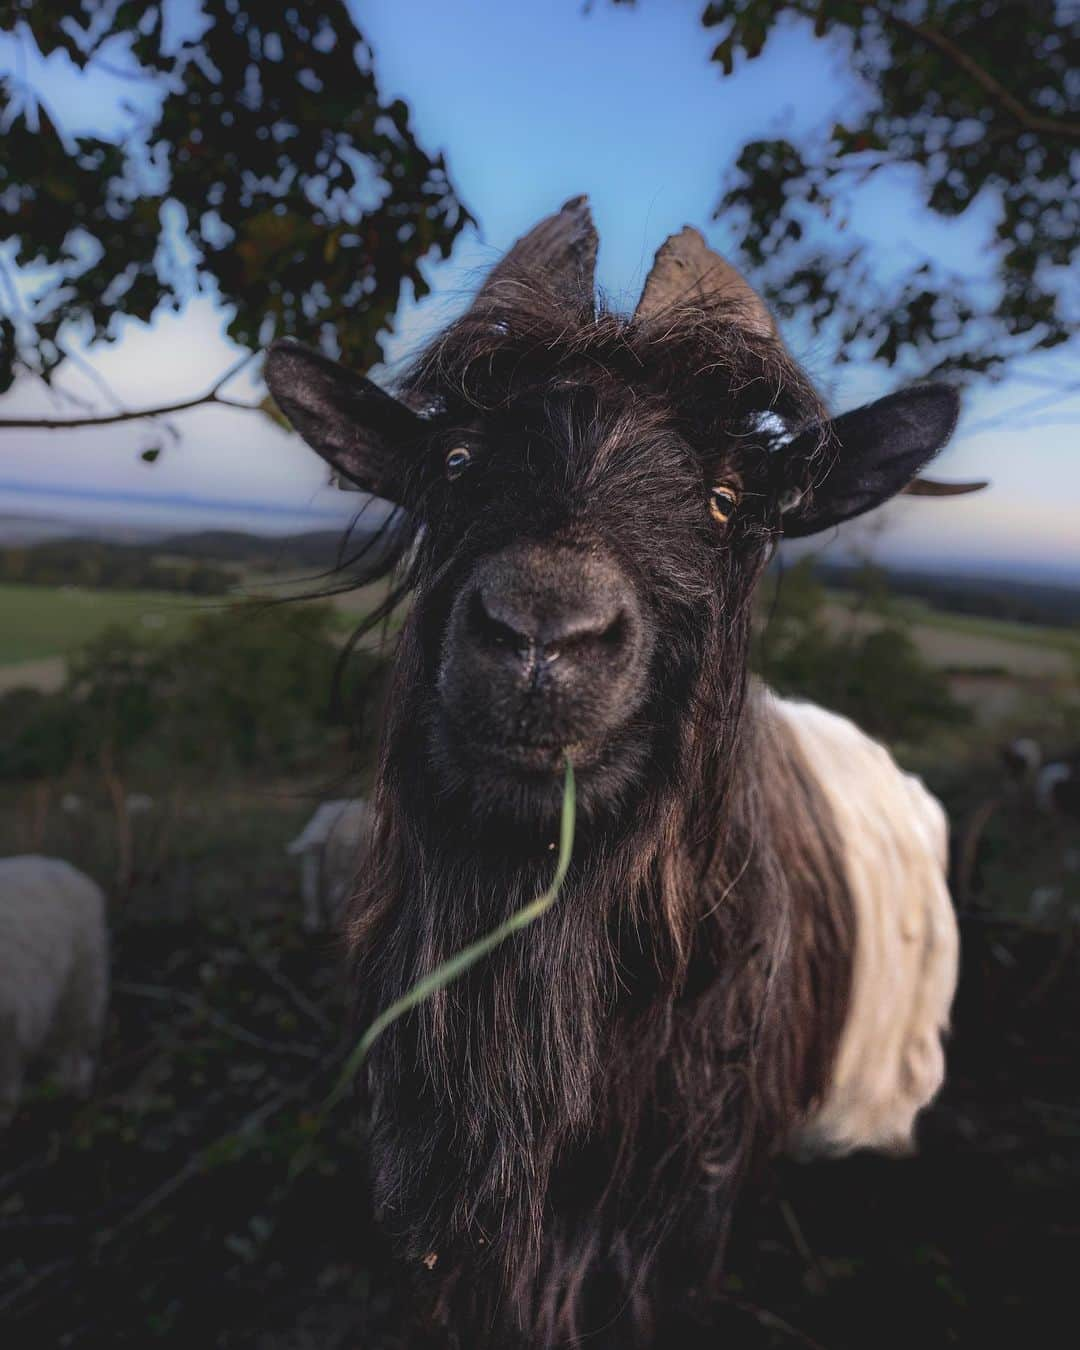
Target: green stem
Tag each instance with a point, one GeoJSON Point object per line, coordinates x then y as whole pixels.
{"type": "Point", "coordinates": [461, 961]}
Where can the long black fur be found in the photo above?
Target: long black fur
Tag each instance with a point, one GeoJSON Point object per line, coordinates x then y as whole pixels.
{"type": "Point", "coordinates": [558, 1137]}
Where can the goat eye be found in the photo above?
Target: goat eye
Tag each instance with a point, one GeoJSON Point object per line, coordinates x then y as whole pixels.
{"type": "Point", "coordinates": [723, 499]}
{"type": "Point", "coordinates": [457, 461]}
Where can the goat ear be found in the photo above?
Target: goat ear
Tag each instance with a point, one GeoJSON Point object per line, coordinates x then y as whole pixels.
{"type": "Point", "coordinates": [367, 436]}
{"type": "Point", "coordinates": [835, 470]}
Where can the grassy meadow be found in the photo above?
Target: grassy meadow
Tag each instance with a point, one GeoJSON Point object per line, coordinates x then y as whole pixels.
{"type": "Point", "coordinates": [41, 622]}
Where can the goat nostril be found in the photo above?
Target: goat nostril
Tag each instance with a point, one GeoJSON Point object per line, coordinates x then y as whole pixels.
{"type": "Point", "coordinates": [490, 631]}
{"type": "Point", "coordinates": [547, 632]}
{"type": "Point", "coordinates": [588, 637]}
{"type": "Point", "coordinates": [615, 633]}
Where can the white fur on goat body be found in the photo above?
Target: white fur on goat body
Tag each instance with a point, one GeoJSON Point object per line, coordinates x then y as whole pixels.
{"type": "Point", "coordinates": [53, 973]}
{"type": "Point", "coordinates": [894, 835]}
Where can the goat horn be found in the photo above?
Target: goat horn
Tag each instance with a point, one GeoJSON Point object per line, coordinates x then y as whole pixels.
{"type": "Point", "coordinates": [560, 251]}
{"type": "Point", "coordinates": [933, 487]}
{"type": "Point", "coordinates": [687, 272]}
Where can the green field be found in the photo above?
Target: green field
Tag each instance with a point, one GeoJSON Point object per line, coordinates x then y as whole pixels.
{"type": "Point", "coordinates": [956, 641]}
{"type": "Point", "coordinates": [1005, 630]}
{"type": "Point", "coordinates": [45, 623]}
{"type": "Point", "coordinates": [37, 622]}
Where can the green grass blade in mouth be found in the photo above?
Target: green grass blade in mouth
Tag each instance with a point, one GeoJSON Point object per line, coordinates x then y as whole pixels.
{"type": "Point", "coordinates": [455, 966]}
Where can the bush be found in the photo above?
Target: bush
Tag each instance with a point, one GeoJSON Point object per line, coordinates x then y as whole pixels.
{"type": "Point", "coordinates": [38, 735]}
{"type": "Point", "coordinates": [251, 687]}
{"type": "Point", "coordinates": [875, 675]}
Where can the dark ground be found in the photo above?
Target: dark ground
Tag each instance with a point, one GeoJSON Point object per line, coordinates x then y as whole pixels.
{"type": "Point", "coordinates": [160, 1213]}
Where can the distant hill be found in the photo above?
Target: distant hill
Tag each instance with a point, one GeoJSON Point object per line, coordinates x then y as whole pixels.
{"type": "Point", "coordinates": [46, 542]}
{"type": "Point", "coordinates": [25, 531]}
{"type": "Point", "coordinates": [987, 597]}
{"type": "Point", "coordinates": [317, 548]}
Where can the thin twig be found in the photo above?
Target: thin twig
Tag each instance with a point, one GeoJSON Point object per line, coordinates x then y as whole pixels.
{"type": "Point", "coordinates": [212, 396]}
{"type": "Point", "coordinates": [22, 1222]}
{"type": "Point", "coordinates": [803, 1247]}
{"type": "Point", "coordinates": [195, 1164]}
{"type": "Point", "coordinates": [171, 1185]}
{"type": "Point", "coordinates": [203, 1009]}
{"type": "Point", "coordinates": [235, 369]}
{"type": "Point", "coordinates": [94, 376]}
{"type": "Point", "coordinates": [298, 997]}
{"type": "Point", "coordinates": [11, 1179]}
{"type": "Point", "coordinates": [764, 1317]}
{"type": "Point", "coordinates": [42, 1276]}
{"type": "Point", "coordinates": [161, 1049]}
{"type": "Point", "coordinates": [1027, 120]}
{"type": "Point", "coordinates": [1053, 973]}
{"type": "Point", "coordinates": [1063, 391]}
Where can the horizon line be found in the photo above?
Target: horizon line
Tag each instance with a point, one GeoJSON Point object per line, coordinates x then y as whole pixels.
{"type": "Point", "coordinates": [158, 499]}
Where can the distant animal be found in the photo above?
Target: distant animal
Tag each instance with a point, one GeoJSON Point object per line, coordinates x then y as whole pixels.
{"type": "Point", "coordinates": [330, 847]}
{"type": "Point", "coordinates": [754, 948]}
{"type": "Point", "coordinates": [54, 979]}
{"type": "Point", "coordinates": [1054, 779]}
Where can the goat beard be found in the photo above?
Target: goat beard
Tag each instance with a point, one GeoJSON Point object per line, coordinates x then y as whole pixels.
{"type": "Point", "coordinates": [509, 1112]}
{"type": "Point", "coordinates": [477, 1094]}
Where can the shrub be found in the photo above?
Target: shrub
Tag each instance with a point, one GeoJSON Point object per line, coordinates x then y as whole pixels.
{"type": "Point", "coordinates": [873, 674]}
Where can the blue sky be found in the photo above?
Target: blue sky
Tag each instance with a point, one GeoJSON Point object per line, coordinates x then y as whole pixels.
{"type": "Point", "coordinates": [533, 102]}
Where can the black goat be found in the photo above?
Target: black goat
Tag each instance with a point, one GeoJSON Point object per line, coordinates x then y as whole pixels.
{"type": "Point", "coordinates": [755, 947]}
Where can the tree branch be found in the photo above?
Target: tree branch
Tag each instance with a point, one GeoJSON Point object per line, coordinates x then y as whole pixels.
{"type": "Point", "coordinates": [1028, 120]}
{"type": "Point", "coordinates": [212, 396]}
{"type": "Point", "coordinates": [1066, 390]}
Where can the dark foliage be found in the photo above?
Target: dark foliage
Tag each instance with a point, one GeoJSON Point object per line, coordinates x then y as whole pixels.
{"type": "Point", "coordinates": [38, 734]}
{"type": "Point", "coordinates": [109, 566]}
{"type": "Point", "coordinates": [980, 98]}
{"type": "Point", "coordinates": [268, 157]}
{"type": "Point", "coordinates": [246, 687]}
{"type": "Point", "coordinates": [154, 1216]}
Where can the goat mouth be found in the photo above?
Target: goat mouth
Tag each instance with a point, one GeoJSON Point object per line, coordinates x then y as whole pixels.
{"type": "Point", "coordinates": [519, 779]}
{"type": "Point", "coordinates": [542, 757]}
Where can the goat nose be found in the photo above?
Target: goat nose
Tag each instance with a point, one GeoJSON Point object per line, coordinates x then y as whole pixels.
{"type": "Point", "coordinates": [543, 627]}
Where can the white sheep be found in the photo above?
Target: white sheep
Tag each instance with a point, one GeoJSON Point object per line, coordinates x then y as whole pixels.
{"type": "Point", "coordinates": [53, 974]}
{"type": "Point", "coordinates": [330, 847]}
